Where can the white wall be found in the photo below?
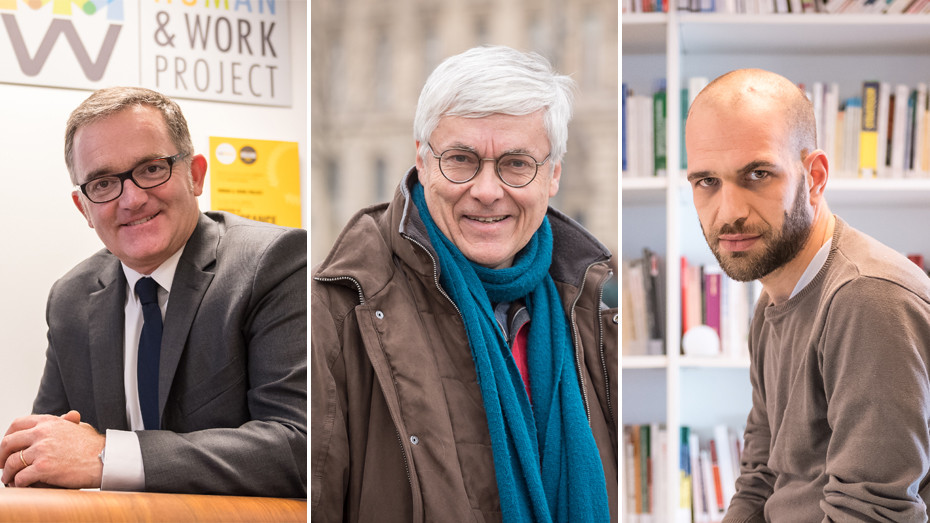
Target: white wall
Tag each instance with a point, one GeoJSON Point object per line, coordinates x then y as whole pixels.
{"type": "Point", "coordinates": [42, 234]}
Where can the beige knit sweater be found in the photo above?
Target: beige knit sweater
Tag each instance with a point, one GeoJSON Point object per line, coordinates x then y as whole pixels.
{"type": "Point", "coordinates": [838, 429]}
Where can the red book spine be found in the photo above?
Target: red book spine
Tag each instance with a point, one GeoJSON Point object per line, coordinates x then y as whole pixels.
{"type": "Point", "coordinates": [718, 485]}
{"type": "Point", "coordinates": [712, 300]}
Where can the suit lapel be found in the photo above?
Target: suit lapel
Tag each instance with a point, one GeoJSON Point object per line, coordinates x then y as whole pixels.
{"type": "Point", "coordinates": [191, 280]}
{"type": "Point", "coordinates": [106, 323]}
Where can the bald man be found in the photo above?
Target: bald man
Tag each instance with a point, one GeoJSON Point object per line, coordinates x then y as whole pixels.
{"type": "Point", "coordinates": [840, 337]}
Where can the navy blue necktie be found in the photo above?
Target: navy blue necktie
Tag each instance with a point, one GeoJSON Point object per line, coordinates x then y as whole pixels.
{"type": "Point", "coordinates": [149, 351]}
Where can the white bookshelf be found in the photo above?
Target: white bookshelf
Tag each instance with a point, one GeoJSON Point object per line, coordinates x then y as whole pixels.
{"type": "Point", "coordinates": [657, 213]}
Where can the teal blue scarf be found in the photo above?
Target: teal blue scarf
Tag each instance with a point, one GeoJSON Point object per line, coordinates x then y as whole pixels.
{"type": "Point", "coordinates": [547, 465]}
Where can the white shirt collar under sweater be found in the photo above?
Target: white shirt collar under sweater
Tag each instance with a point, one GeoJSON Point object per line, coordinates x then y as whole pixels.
{"type": "Point", "coordinates": [813, 267]}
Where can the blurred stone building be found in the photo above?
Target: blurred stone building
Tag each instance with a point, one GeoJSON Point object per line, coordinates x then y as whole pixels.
{"type": "Point", "coordinates": [370, 58]}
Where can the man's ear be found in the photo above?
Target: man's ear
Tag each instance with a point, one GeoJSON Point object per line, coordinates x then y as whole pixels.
{"type": "Point", "coordinates": [198, 173]}
{"type": "Point", "coordinates": [420, 166]}
{"type": "Point", "coordinates": [76, 197]}
{"type": "Point", "coordinates": [818, 173]}
{"type": "Point", "coordinates": [554, 180]}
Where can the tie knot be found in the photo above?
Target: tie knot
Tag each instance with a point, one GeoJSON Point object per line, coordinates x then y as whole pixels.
{"type": "Point", "coordinates": [147, 290]}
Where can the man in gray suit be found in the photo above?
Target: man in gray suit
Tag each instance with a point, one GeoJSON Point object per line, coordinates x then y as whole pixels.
{"type": "Point", "coordinates": [176, 356]}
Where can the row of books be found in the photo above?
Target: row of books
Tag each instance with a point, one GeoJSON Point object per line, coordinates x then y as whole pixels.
{"type": "Point", "coordinates": [717, 306]}
{"type": "Point", "coordinates": [712, 304]}
{"type": "Point", "coordinates": [883, 133]}
{"type": "Point", "coordinates": [643, 120]}
{"type": "Point", "coordinates": [645, 479]}
{"type": "Point", "coordinates": [708, 468]}
{"type": "Point", "coordinates": [779, 6]}
{"type": "Point", "coordinates": [643, 305]}
{"type": "Point", "coordinates": [638, 154]}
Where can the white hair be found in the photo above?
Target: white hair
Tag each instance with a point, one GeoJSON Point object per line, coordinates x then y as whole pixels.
{"type": "Point", "coordinates": [490, 80]}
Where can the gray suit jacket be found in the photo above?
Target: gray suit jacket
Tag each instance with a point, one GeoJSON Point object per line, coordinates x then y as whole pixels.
{"type": "Point", "coordinates": [233, 368]}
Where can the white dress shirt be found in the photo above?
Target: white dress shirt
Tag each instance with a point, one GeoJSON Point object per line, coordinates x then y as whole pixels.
{"type": "Point", "coordinates": [122, 466]}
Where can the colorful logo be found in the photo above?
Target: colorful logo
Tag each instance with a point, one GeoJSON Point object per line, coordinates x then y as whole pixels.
{"type": "Point", "coordinates": [113, 8]}
{"type": "Point", "coordinates": [32, 64]}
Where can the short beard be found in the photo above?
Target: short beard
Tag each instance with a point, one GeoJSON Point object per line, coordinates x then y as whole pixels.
{"type": "Point", "coordinates": [780, 247]}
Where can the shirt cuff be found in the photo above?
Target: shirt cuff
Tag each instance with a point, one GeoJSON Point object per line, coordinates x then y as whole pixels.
{"type": "Point", "coordinates": [122, 462]}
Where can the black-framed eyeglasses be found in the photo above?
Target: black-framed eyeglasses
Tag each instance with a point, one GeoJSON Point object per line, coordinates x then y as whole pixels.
{"type": "Point", "coordinates": [461, 165]}
{"type": "Point", "coordinates": [146, 175]}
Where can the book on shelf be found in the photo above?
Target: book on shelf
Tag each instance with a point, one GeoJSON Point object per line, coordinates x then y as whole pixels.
{"type": "Point", "coordinates": [728, 463]}
{"type": "Point", "coordinates": [831, 108]}
{"type": "Point", "coordinates": [643, 328]}
{"type": "Point", "coordinates": [712, 283]}
{"type": "Point", "coordinates": [630, 472]}
{"type": "Point", "coordinates": [884, 129]}
{"type": "Point", "coordinates": [683, 514]}
{"type": "Point", "coordinates": [921, 160]}
{"type": "Point", "coordinates": [868, 134]}
{"type": "Point", "coordinates": [710, 298]}
{"type": "Point", "coordinates": [816, 96]}
{"type": "Point", "coordinates": [910, 134]}
{"type": "Point", "coordinates": [624, 91]}
{"type": "Point", "coordinates": [851, 124]}
{"type": "Point", "coordinates": [646, 473]}
{"type": "Point", "coordinates": [720, 501]}
{"type": "Point", "coordinates": [682, 150]}
{"type": "Point", "coordinates": [659, 115]}
{"type": "Point", "coordinates": [898, 125]}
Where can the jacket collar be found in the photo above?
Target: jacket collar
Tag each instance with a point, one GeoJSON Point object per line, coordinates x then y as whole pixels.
{"type": "Point", "coordinates": [105, 324]}
{"type": "Point", "coordinates": [194, 274]}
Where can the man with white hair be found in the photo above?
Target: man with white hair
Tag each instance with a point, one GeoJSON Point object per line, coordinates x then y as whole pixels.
{"type": "Point", "coordinates": [464, 367]}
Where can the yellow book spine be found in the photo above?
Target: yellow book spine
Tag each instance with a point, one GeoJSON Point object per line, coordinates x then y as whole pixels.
{"type": "Point", "coordinates": [868, 136]}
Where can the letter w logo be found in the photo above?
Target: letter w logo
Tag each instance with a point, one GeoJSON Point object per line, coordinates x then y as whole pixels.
{"type": "Point", "coordinates": [32, 66]}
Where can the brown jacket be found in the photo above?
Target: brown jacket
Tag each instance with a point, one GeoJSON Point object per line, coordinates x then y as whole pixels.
{"type": "Point", "coordinates": [398, 429]}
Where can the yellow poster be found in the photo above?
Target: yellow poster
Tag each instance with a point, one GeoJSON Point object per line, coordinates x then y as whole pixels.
{"type": "Point", "coordinates": [256, 179]}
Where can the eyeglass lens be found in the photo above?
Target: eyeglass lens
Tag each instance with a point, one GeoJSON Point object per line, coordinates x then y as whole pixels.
{"type": "Point", "coordinates": [147, 175]}
{"type": "Point", "coordinates": [460, 165]}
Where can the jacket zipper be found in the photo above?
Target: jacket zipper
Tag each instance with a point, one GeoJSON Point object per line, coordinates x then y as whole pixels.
{"type": "Point", "coordinates": [600, 339]}
{"type": "Point", "coordinates": [403, 452]}
{"type": "Point", "coordinates": [577, 339]}
{"type": "Point", "coordinates": [436, 274]}
{"type": "Point", "coordinates": [358, 286]}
